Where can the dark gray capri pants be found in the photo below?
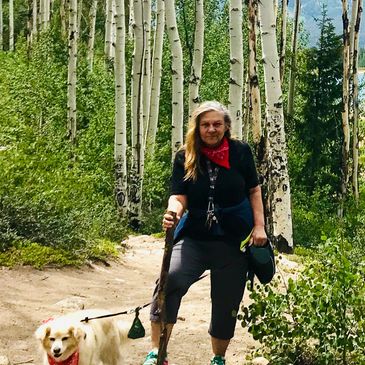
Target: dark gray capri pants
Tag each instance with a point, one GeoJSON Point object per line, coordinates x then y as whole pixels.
{"type": "Point", "coordinates": [228, 265]}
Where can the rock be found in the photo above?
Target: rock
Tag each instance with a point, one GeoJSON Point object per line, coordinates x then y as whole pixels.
{"type": "Point", "coordinates": [71, 303]}
{"type": "Point", "coordinates": [4, 360]}
{"type": "Point", "coordinates": [259, 361]}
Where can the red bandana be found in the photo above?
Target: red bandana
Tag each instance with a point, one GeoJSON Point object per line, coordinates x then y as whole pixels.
{"type": "Point", "coordinates": [72, 360]}
{"type": "Point", "coordinates": [219, 155]}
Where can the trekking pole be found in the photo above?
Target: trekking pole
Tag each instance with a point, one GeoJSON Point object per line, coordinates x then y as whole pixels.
{"type": "Point", "coordinates": [161, 291]}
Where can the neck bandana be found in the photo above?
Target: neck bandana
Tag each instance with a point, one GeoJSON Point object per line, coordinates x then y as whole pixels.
{"type": "Point", "coordinates": [219, 155]}
{"type": "Point", "coordinates": [72, 360]}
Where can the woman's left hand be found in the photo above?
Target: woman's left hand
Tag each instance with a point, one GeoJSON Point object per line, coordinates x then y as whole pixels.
{"type": "Point", "coordinates": [258, 237]}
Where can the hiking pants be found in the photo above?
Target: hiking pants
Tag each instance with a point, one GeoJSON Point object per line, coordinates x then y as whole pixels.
{"type": "Point", "coordinates": [228, 266]}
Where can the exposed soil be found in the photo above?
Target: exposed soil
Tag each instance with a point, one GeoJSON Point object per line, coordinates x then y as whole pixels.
{"type": "Point", "coordinates": [28, 296]}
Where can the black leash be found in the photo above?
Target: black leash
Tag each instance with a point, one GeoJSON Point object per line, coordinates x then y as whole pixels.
{"type": "Point", "coordinates": [130, 311]}
{"type": "Point", "coordinates": [137, 309]}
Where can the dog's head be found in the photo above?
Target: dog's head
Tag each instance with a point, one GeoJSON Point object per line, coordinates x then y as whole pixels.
{"type": "Point", "coordinates": [60, 339]}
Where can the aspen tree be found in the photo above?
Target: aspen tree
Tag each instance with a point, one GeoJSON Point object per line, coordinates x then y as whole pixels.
{"type": "Point", "coordinates": [29, 24]}
{"type": "Point", "coordinates": [91, 40]}
{"type": "Point", "coordinates": [246, 108]}
{"type": "Point", "coordinates": [255, 99]}
{"type": "Point", "coordinates": [357, 4]}
{"type": "Point", "coordinates": [46, 13]}
{"type": "Point", "coordinates": [276, 165]}
{"type": "Point", "coordinates": [79, 15]}
{"type": "Point", "coordinates": [113, 32]}
{"type": "Point", "coordinates": [72, 70]}
{"type": "Point", "coordinates": [63, 18]}
{"type": "Point", "coordinates": [108, 29]}
{"type": "Point", "coordinates": [1, 26]}
{"type": "Point", "coordinates": [177, 77]}
{"type": "Point", "coordinates": [198, 54]}
{"type": "Point", "coordinates": [35, 22]}
{"type": "Point", "coordinates": [284, 13]}
{"type": "Point", "coordinates": [236, 66]}
{"type": "Point", "coordinates": [156, 77]}
{"type": "Point", "coordinates": [137, 164]}
{"type": "Point", "coordinates": [293, 62]}
{"type": "Point", "coordinates": [11, 25]}
{"type": "Point", "coordinates": [120, 144]}
{"type": "Point", "coordinates": [345, 105]}
{"type": "Point", "coordinates": [147, 65]}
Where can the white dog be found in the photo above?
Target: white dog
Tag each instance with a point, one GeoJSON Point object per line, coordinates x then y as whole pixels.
{"type": "Point", "coordinates": [68, 341]}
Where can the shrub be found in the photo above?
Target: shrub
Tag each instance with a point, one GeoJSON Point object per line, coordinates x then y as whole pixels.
{"type": "Point", "coordinates": [319, 318]}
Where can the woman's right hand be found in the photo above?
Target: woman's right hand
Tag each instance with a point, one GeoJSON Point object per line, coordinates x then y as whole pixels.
{"type": "Point", "coordinates": [168, 220]}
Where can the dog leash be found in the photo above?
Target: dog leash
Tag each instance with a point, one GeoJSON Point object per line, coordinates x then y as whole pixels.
{"type": "Point", "coordinates": [137, 309]}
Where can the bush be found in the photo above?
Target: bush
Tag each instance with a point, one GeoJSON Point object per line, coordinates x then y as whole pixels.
{"type": "Point", "coordinates": [319, 318]}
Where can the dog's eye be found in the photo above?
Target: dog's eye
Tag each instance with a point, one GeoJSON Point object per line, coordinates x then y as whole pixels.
{"type": "Point", "coordinates": [52, 339]}
{"type": "Point", "coordinates": [64, 338]}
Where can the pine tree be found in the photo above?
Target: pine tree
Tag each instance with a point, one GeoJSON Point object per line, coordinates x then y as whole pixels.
{"type": "Point", "coordinates": [319, 128]}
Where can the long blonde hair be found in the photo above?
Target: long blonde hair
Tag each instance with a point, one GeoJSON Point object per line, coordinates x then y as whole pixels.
{"type": "Point", "coordinates": [193, 140]}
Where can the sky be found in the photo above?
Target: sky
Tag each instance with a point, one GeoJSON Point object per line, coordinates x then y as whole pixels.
{"type": "Point", "coordinates": [312, 9]}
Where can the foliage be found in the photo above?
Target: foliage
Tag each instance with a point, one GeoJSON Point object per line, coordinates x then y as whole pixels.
{"type": "Point", "coordinates": [47, 196]}
{"type": "Point", "coordinates": [318, 319]}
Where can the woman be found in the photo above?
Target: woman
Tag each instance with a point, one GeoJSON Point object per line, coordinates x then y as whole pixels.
{"type": "Point", "coordinates": [213, 176]}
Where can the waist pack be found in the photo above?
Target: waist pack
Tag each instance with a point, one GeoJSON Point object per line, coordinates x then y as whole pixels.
{"type": "Point", "coordinates": [262, 262]}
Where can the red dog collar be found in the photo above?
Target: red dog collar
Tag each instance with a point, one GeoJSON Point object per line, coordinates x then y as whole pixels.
{"type": "Point", "coordinates": [72, 360]}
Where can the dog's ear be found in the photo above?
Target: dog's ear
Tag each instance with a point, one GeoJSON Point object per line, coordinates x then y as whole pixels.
{"type": "Point", "coordinates": [78, 332]}
{"type": "Point", "coordinates": [43, 331]}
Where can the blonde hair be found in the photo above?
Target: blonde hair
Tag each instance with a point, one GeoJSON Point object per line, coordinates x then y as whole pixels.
{"type": "Point", "coordinates": [193, 141]}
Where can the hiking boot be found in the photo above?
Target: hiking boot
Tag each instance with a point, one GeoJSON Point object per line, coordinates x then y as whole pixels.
{"type": "Point", "coordinates": [218, 360]}
{"type": "Point", "coordinates": [151, 359]}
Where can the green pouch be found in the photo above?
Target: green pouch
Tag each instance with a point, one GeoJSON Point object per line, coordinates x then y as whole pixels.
{"type": "Point", "coordinates": [137, 330]}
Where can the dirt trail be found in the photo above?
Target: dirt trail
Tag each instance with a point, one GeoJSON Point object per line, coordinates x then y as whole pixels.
{"type": "Point", "coordinates": [28, 296]}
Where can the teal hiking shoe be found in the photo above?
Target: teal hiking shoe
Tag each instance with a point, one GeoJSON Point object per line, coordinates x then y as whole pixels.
{"type": "Point", "coordinates": [151, 359]}
{"type": "Point", "coordinates": [218, 360]}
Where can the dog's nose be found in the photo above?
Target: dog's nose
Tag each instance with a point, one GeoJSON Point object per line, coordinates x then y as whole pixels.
{"type": "Point", "coordinates": [57, 350]}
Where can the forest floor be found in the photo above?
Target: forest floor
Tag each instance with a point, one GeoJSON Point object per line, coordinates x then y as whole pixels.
{"type": "Point", "coordinates": [28, 296]}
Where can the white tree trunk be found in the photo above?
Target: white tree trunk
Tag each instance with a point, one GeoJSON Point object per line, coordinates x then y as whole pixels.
{"type": "Point", "coordinates": [47, 13]}
{"type": "Point", "coordinates": [236, 67]}
{"type": "Point", "coordinates": [114, 31]}
{"type": "Point", "coordinates": [108, 29]}
{"type": "Point", "coordinates": [278, 186]}
{"type": "Point", "coordinates": [72, 71]}
{"type": "Point", "coordinates": [137, 164]}
{"type": "Point", "coordinates": [197, 65]}
{"type": "Point", "coordinates": [284, 13]}
{"type": "Point", "coordinates": [120, 145]}
{"type": "Point", "coordinates": [34, 21]}
{"type": "Point", "coordinates": [156, 77]}
{"type": "Point", "coordinates": [91, 41]}
{"type": "Point", "coordinates": [146, 66]}
{"type": "Point", "coordinates": [11, 25]}
{"type": "Point", "coordinates": [345, 104]}
{"type": "Point", "coordinates": [293, 64]}
{"type": "Point", "coordinates": [79, 15]}
{"type": "Point", "coordinates": [63, 18]}
{"type": "Point", "coordinates": [255, 98]}
{"type": "Point", "coordinates": [177, 77]}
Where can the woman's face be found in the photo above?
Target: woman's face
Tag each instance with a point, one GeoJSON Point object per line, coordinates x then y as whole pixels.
{"type": "Point", "coordinates": [212, 128]}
